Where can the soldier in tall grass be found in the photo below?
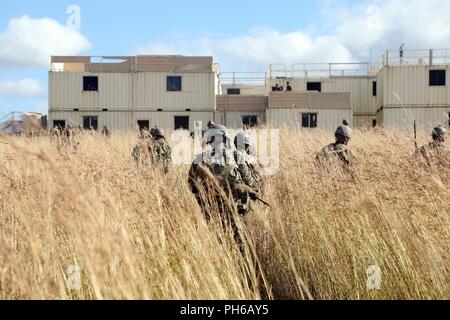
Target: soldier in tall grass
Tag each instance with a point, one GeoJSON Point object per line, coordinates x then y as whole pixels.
{"type": "Point", "coordinates": [435, 152]}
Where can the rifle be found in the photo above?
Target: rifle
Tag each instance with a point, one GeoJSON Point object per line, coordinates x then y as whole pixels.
{"type": "Point", "coordinates": [252, 194]}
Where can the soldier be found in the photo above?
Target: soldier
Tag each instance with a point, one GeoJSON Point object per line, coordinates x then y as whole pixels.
{"type": "Point", "coordinates": [106, 132]}
{"type": "Point", "coordinates": [161, 151]}
{"type": "Point", "coordinates": [435, 152]}
{"type": "Point", "coordinates": [247, 163]}
{"type": "Point", "coordinates": [215, 181]}
{"type": "Point", "coordinates": [337, 153]}
{"type": "Point", "coordinates": [141, 152]}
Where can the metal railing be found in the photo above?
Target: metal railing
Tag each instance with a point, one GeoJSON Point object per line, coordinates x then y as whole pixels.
{"type": "Point", "coordinates": [310, 70]}
{"type": "Point", "coordinates": [415, 57]}
{"type": "Point", "coordinates": [243, 78]}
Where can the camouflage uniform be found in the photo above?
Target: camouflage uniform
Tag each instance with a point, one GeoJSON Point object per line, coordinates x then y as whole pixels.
{"type": "Point", "coordinates": [435, 152]}
{"type": "Point", "coordinates": [141, 152]}
{"type": "Point", "coordinates": [214, 179]}
{"type": "Point", "coordinates": [248, 165]}
{"type": "Point", "coordinates": [155, 150]}
{"type": "Point", "coordinates": [337, 155]}
{"type": "Point", "coordinates": [161, 153]}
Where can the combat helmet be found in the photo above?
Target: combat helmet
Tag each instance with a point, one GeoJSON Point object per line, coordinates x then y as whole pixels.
{"type": "Point", "coordinates": [439, 133]}
{"type": "Point", "coordinates": [343, 130]}
{"type": "Point", "coordinates": [158, 132]}
{"type": "Point", "coordinates": [214, 135]}
{"type": "Point", "coordinates": [242, 139]}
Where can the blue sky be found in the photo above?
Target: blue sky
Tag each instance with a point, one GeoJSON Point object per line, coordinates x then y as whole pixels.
{"type": "Point", "coordinates": [241, 35]}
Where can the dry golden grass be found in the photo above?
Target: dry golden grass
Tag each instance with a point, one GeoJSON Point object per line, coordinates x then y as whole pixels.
{"type": "Point", "coordinates": [137, 235]}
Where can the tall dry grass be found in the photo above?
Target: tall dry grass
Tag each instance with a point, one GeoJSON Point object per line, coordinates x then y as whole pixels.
{"type": "Point", "coordinates": [137, 235]}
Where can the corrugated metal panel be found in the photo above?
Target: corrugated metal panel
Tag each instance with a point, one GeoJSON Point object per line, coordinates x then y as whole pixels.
{"type": "Point", "coordinates": [411, 84]}
{"type": "Point", "coordinates": [233, 119]}
{"type": "Point", "coordinates": [380, 90]}
{"type": "Point", "coordinates": [288, 99]}
{"type": "Point", "coordinates": [360, 121]}
{"type": "Point", "coordinates": [360, 88]}
{"type": "Point", "coordinates": [166, 120]}
{"type": "Point", "coordinates": [174, 64]}
{"type": "Point", "coordinates": [315, 100]}
{"type": "Point", "coordinates": [155, 63]}
{"type": "Point", "coordinates": [425, 117]}
{"type": "Point", "coordinates": [193, 64]}
{"type": "Point", "coordinates": [241, 103]}
{"type": "Point", "coordinates": [115, 90]}
{"type": "Point", "coordinates": [127, 121]}
{"type": "Point", "coordinates": [65, 90]}
{"type": "Point", "coordinates": [326, 119]}
{"type": "Point", "coordinates": [113, 120]}
{"type": "Point", "coordinates": [198, 92]}
{"type": "Point", "coordinates": [247, 89]}
{"type": "Point", "coordinates": [328, 100]}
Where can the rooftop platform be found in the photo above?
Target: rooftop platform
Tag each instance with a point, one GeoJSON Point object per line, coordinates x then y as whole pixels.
{"type": "Point", "coordinates": [141, 63]}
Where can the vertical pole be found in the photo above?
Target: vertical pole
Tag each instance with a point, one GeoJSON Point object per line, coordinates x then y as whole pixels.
{"type": "Point", "coordinates": [431, 57]}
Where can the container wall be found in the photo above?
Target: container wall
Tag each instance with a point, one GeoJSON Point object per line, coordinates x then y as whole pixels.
{"type": "Point", "coordinates": [234, 119]}
{"type": "Point", "coordinates": [409, 85]}
{"type": "Point", "coordinates": [126, 121]}
{"type": "Point", "coordinates": [326, 119]}
{"type": "Point", "coordinates": [128, 91]}
{"type": "Point", "coordinates": [150, 92]}
{"type": "Point", "coordinates": [246, 89]}
{"type": "Point", "coordinates": [425, 117]}
{"type": "Point", "coordinates": [363, 102]}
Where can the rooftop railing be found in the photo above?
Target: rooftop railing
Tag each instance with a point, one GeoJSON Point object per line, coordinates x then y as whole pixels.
{"type": "Point", "coordinates": [415, 57]}
{"type": "Point", "coordinates": [243, 78]}
{"type": "Point", "coordinates": [310, 70]}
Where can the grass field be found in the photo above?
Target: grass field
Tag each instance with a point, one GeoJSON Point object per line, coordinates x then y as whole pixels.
{"type": "Point", "coordinates": [134, 234]}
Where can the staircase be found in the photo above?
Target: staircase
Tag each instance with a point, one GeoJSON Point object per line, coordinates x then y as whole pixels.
{"type": "Point", "coordinates": [12, 123]}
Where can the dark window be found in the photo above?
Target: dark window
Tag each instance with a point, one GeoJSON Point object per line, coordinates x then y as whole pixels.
{"type": "Point", "coordinates": [182, 122]}
{"type": "Point", "coordinates": [105, 109]}
{"type": "Point", "coordinates": [250, 121]}
{"type": "Point", "coordinates": [309, 120]}
{"type": "Point", "coordinates": [174, 83]}
{"type": "Point", "coordinates": [90, 122]}
{"type": "Point", "coordinates": [374, 88]}
{"type": "Point", "coordinates": [234, 91]}
{"type": "Point", "coordinates": [76, 109]}
{"type": "Point", "coordinates": [143, 124]}
{"type": "Point", "coordinates": [374, 122]}
{"type": "Point", "coordinates": [437, 77]}
{"type": "Point", "coordinates": [90, 83]}
{"type": "Point", "coordinates": [314, 86]}
{"type": "Point", "coordinates": [59, 124]}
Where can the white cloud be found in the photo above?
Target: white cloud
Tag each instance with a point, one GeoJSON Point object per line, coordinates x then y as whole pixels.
{"type": "Point", "coordinates": [386, 25]}
{"type": "Point", "coordinates": [39, 108]}
{"type": "Point", "coordinates": [21, 88]}
{"type": "Point", "coordinates": [28, 42]}
{"type": "Point", "coordinates": [352, 31]}
{"type": "Point", "coordinates": [257, 49]}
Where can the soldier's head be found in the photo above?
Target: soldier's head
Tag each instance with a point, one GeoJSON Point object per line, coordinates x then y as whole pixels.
{"type": "Point", "coordinates": [438, 134]}
{"type": "Point", "coordinates": [211, 124]}
{"type": "Point", "coordinates": [216, 138]}
{"type": "Point", "coordinates": [145, 134]}
{"type": "Point", "coordinates": [343, 134]}
{"type": "Point", "coordinates": [158, 133]}
{"type": "Point", "coordinates": [242, 141]}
